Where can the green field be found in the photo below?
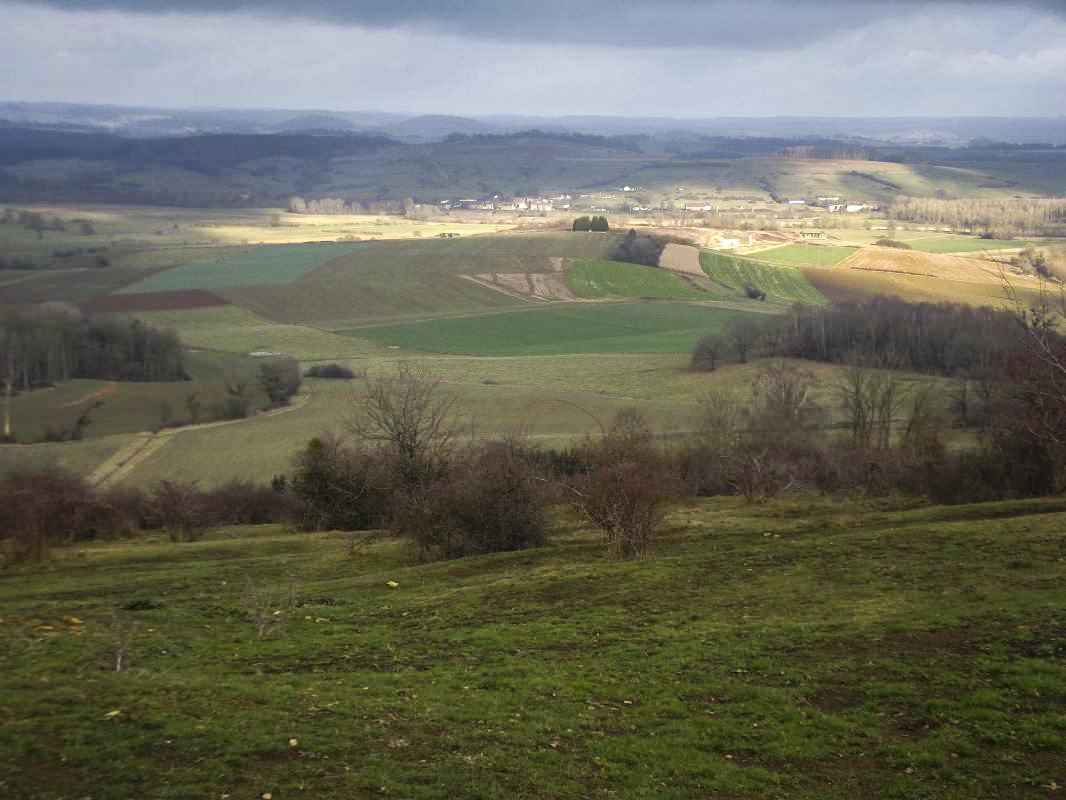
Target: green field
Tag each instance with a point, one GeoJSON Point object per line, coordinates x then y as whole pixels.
{"type": "Point", "coordinates": [803, 649]}
{"type": "Point", "coordinates": [782, 284]}
{"type": "Point", "coordinates": [613, 328]}
{"type": "Point", "coordinates": [803, 255]}
{"type": "Point", "coordinates": [963, 244]}
{"type": "Point", "coordinates": [266, 265]}
{"type": "Point", "coordinates": [411, 279]}
{"type": "Point", "coordinates": [597, 280]}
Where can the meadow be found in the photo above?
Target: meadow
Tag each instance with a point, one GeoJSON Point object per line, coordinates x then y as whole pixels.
{"type": "Point", "coordinates": [596, 280]}
{"type": "Point", "coordinates": [607, 328]}
{"type": "Point", "coordinates": [817, 650]}
{"type": "Point", "coordinates": [265, 265]}
{"type": "Point", "coordinates": [782, 284]}
{"type": "Point", "coordinates": [803, 255]}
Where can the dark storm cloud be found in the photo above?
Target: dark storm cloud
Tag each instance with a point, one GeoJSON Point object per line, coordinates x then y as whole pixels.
{"type": "Point", "coordinates": [675, 58]}
{"type": "Point", "coordinates": [735, 23]}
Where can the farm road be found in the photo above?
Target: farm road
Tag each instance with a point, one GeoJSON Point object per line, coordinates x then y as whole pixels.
{"type": "Point", "coordinates": [119, 466]}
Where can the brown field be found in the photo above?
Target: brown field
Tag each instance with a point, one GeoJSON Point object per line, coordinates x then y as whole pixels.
{"type": "Point", "coordinates": [151, 301]}
{"type": "Point", "coordinates": [927, 265]}
{"type": "Point", "coordinates": [682, 258]}
{"type": "Point", "coordinates": [840, 285]}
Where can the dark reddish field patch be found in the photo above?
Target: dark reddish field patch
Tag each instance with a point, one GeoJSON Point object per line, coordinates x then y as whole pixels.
{"type": "Point", "coordinates": [151, 301]}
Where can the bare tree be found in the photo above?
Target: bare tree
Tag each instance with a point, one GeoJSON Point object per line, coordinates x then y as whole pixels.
{"type": "Point", "coordinates": [871, 400]}
{"type": "Point", "coordinates": [743, 332]}
{"type": "Point", "coordinates": [411, 419]}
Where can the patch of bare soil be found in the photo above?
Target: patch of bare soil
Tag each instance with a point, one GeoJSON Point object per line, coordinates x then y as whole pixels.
{"type": "Point", "coordinates": [535, 286]}
{"type": "Point", "coordinates": [681, 258]}
{"type": "Point", "coordinates": [151, 301]}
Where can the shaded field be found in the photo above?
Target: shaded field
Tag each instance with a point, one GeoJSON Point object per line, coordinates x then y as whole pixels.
{"type": "Point", "coordinates": [132, 405]}
{"type": "Point", "coordinates": [782, 284]}
{"type": "Point", "coordinates": [69, 285]}
{"type": "Point", "coordinates": [801, 649]}
{"type": "Point", "coordinates": [395, 280]}
{"type": "Point", "coordinates": [803, 255]}
{"type": "Point", "coordinates": [614, 279]}
{"type": "Point", "coordinates": [614, 328]}
{"type": "Point", "coordinates": [255, 266]}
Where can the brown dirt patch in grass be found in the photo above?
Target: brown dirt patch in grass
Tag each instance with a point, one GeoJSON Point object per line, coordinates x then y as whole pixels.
{"type": "Point", "coordinates": [526, 285]}
{"type": "Point", "coordinates": [151, 301]}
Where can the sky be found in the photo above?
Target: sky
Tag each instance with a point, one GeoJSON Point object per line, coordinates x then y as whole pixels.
{"type": "Point", "coordinates": [672, 58]}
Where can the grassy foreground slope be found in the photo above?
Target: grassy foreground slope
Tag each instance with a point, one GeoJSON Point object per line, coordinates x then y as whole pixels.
{"type": "Point", "coordinates": [782, 283]}
{"type": "Point", "coordinates": [803, 650]}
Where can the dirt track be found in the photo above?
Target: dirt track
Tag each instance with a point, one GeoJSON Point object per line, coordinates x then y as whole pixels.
{"type": "Point", "coordinates": [122, 463]}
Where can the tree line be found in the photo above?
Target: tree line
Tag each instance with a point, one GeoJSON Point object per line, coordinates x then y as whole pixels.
{"type": "Point", "coordinates": [1002, 218]}
{"type": "Point", "coordinates": [51, 343]}
{"type": "Point", "coordinates": [590, 224]}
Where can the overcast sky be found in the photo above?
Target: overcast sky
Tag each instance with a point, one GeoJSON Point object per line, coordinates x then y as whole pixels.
{"type": "Point", "coordinates": [675, 58]}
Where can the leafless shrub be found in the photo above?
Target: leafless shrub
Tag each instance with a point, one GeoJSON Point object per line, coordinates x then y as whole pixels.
{"type": "Point", "coordinates": [269, 605]}
{"type": "Point", "coordinates": [625, 487]}
{"type": "Point", "coordinates": [411, 420]}
{"type": "Point", "coordinates": [41, 507]}
{"type": "Point", "coordinates": [122, 631]}
{"type": "Point", "coordinates": [181, 509]}
{"type": "Point", "coordinates": [764, 474]}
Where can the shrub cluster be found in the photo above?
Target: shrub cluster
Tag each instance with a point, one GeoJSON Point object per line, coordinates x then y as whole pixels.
{"type": "Point", "coordinates": [403, 468]}
{"type": "Point", "coordinates": [44, 507]}
{"type": "Point", "coordinates": [332, 371]}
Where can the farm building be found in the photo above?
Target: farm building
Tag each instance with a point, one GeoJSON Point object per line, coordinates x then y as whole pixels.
{"type": "Point", "coordinates": [811, 234]}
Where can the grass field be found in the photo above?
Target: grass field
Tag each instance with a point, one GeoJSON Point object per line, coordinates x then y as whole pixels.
{"type": "Point", "coordinates": [234, 330]}
{"type": "Point", "coordinates": [929, 241]}
{"type": "Point", "coordinates": [803, 255]}
{"type": "Point", "coordinates": [809, 650]}
{"type": "Point", "coordinates": [613, 328]}
{"type": "Point", "coordinates": [614, 279]}
{"type": "Point", "coordinates": [782, 284]}
{"type": "Point", "coordinates": [963, 244]}
{"type": "Point", "coordinates": [397, 280]}
{"type": "Point", "coordinates": [265, 265]}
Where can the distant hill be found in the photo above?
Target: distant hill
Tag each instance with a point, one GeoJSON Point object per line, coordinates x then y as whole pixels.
{"type": "Point", "coordinates": [434, 127]}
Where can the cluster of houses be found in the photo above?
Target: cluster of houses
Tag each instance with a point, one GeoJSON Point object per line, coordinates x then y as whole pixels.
{"type": "Point", "coordinates": [559, 202]}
